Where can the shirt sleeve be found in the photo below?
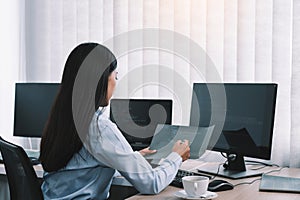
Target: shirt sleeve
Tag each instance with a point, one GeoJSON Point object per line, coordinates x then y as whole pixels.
{"type": "Point", "coordinates": [107, 144]}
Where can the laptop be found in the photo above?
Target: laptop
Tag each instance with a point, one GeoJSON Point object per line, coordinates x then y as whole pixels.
{"type": "Point", "coordinates": [279, 184]}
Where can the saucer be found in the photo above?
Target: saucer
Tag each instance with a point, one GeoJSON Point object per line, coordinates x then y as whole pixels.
{"type": "Point", "coordinates": [207, 195]}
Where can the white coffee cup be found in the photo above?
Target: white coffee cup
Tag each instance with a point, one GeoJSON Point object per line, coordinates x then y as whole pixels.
{"type": "Point", "coordinates": [195, 186]}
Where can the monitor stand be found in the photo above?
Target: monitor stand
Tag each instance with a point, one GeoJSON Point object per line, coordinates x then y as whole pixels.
{"type": "Point", "coordinates": [234, 168]}
{"type": "Point", "coordinates": [229, 173]}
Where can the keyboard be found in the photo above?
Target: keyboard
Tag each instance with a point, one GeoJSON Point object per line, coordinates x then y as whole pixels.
{"type": "Point", "coordinates": [177, 181]}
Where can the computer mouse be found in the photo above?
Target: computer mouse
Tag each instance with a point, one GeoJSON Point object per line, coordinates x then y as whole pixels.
{"type": "Point", "coordinates": [219, 185]}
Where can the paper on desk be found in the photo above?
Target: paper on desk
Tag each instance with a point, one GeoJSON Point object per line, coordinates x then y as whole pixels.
{"type": "Point", "coordinates": [166, 135]}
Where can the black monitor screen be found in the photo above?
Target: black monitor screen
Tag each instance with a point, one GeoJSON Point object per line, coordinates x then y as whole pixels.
{"type": "Point", "coordinates": [138, 118]}
{"type": "Point", "coordinates": [33, 102]}
{"type": "Point", "coordinates": [245, 125]}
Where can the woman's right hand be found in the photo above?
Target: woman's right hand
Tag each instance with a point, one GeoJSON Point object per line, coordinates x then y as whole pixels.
{"type": "Point", "coordinates": [182, 148]}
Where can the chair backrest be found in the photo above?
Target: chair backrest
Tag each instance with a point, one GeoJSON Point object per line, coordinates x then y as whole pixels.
{"type": "Point", "coordinates": [22, 179]}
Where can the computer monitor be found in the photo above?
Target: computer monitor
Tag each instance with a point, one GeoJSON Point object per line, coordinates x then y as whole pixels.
{"type": "Point", "coordinates": [33, 102]}
{"type": "Point", "coordinates": [243, 122]}
{"type": "Point", "coordinates": [138, 118]}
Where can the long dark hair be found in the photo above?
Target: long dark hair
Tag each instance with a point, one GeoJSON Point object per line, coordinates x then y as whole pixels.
{"type": "Point", "coordinates": [61, 139]}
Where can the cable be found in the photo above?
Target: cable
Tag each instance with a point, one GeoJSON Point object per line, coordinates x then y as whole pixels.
{"type": "Point", "coordinates": [216, 174]}
{"type": "Point", "coordinates": [259, 168]}
{"type": "Point", "coordinates": [249, 183]}
{"type": "Point", "coordinates": [223, 154]}
{"type": "Point", "coordinates": [275, 170]}
{"type": "Point", "coordinates": [262, 163]}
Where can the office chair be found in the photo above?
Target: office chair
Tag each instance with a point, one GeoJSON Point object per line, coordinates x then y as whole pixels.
{"type": "Point", "coordinates": [22, 179]}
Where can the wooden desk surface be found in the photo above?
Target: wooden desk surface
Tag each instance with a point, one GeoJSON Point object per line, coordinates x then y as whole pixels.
{"type": "Point", "coordinates": [240, 192]}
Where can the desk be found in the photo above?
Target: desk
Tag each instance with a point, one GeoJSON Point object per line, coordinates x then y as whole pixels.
{"type": "Point", "coordinates": [240, 192]}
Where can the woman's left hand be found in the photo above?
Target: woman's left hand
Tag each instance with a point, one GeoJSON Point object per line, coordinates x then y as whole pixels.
{"type": "Point", "coordinates": [146, 151]}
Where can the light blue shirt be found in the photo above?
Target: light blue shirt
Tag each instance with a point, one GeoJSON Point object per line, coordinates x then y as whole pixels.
{"type": "Point", "coordinates": [89, 173]}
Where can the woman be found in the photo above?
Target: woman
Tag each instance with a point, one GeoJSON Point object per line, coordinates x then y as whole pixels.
{"type": "Point", "coordinates": [80, 150]}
